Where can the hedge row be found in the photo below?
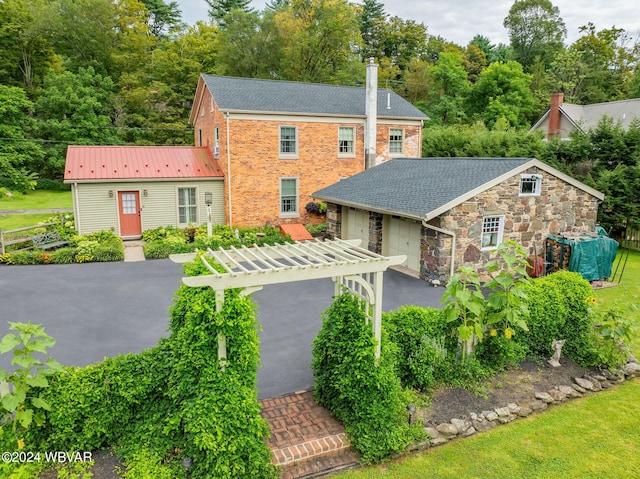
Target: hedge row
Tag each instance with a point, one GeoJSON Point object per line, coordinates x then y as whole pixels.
{"type": "Point", "coordinates": [172, 401]}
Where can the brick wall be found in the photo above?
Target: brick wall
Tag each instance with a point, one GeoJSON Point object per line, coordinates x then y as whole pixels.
{"type": "Point", "coordinates": [256, 168]}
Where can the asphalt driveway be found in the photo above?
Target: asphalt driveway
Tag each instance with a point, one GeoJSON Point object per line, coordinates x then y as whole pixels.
{"type": "Point", "coordinates": [96, 310]}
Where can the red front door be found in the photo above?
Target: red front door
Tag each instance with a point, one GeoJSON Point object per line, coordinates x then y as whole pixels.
{"type": "Point", "coordinates": [129, 209]}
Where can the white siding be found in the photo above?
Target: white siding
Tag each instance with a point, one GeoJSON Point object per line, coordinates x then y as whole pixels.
{"type": "Point", "coordinates": [356, 226]}
{"type": "Point", "coordinates": [96, 211]}
{"type": "Point", "coordinates": [402, 237]}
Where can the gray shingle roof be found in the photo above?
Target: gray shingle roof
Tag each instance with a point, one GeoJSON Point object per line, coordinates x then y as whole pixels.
{"type": "Point", "coordinates": [588, 116]}
{"type": "Point", "coordinates": [419, 187]}
{"type": "Point", "coordinates": [271, 96]}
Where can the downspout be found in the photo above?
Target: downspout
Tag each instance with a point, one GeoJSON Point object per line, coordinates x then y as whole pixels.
{"type": "Point", "coordinates": [453, 244]}
{"type": "Point", "coordinates": [226, 114]}
{"type": "Point", "coordinates": [76, 209]}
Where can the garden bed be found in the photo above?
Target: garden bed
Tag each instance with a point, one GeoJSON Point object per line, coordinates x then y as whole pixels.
{"type": "Point", "coordinates": [516, 385]}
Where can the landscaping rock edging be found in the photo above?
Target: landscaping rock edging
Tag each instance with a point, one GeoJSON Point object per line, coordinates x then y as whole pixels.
{"type": "Point", "coordinates": [485, 420]}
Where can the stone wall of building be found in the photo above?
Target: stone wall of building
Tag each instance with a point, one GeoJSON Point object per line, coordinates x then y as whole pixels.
{"type": "Point", "coordinates": [334, 221]}
{"type": "Point", "coordinates": [560, 207]}
{"type": "Point", "coordinates": [375, 232]}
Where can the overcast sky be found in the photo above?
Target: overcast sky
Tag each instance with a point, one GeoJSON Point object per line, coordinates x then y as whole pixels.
{"type": "Point", "coordinates": [460, 20]}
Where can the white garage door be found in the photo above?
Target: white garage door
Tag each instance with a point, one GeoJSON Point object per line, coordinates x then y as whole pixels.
{"type": "Point", "coordinates": [356, 226]}
{"type": "Point", "coordinates": [403, 237]}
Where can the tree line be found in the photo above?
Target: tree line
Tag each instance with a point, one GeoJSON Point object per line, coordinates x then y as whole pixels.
{"type": "Point", "coordinates": [125, 71]}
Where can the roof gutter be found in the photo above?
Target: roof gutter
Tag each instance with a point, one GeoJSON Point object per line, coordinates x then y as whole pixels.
{"type": "Point", "coordinates": [76, 208]}
{"type": "Point", "coordinates": [226, 115]}
{"type": "Point", "coordinates": [453, 246]}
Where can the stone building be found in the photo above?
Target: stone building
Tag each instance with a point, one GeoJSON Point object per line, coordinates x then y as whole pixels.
{"type": "Point", "coordinates": [443, 213]}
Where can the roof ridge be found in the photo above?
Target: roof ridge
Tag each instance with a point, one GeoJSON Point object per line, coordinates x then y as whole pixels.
{"type": "Point", "coordinates": [294, 82]}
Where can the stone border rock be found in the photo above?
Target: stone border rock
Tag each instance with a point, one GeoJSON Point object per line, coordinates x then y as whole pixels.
{"type": "Point", "coordinates": [485, 420]}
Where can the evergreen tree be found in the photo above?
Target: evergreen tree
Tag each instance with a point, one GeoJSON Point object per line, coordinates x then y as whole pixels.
{"type": "Point", "coordinates": [371, 19]}
{"type": "Point", "coordinates": [219, 9]}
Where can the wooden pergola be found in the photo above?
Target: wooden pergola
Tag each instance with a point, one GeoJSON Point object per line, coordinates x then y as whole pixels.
{"type": "Point", "coordinates": [350, 266]}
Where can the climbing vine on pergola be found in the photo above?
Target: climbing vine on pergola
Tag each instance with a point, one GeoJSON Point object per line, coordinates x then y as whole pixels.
{"type": "Point", "coordinates": [350, 266]}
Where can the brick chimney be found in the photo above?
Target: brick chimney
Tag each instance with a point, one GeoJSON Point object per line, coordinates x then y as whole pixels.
{"type": "Point", "coordinates": [554, 114]}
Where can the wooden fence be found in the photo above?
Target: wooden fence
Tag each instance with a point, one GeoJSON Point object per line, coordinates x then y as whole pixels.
{"type": "Point", "coordinates": [631, 240]}
{"type": "Point", "coordinates": [18, 236]}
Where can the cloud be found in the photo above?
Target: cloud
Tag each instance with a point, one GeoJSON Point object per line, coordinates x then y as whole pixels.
{"type": "Point", "coordinates": [459, 21]}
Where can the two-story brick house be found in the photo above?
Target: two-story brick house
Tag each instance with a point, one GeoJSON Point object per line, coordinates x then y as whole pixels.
{"type": "Point", "coordinates": [278, 141]}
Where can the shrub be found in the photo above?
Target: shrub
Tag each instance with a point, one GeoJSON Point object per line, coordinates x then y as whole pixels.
{"type": "Point", "coordinates": [109, 252]}
{"type": "Point", "coordinates": [171, 401]}
{"type": "Point", "coordinates": [52, 185]}
{"type": "Point", "coordinates": [25, 257]}
{"type": "Point", "coordinates": [317, 229]}
{"type": "Point", "coordinates": [162, 242]}
{"type": "Point", "coordinates": [419, 334]}
{"type": "Point", "coordinates": [499, 352]}
{"type": "Point", "coordinates": [63, 256]}
{"type": "Point", "coordinates": [362, 392]}
{"type": "Point", "coordinates": [558, 310]}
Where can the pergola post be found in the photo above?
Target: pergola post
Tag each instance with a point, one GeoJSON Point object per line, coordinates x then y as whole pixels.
{"type": "Point", "coordinates": [377, 311]}
{"type": "Point", "coordinates": [222, 340]}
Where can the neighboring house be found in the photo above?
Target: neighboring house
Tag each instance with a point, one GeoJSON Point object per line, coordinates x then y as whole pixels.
{"type": "Point", "coordinates": [129, 189]}
{"type": "Point", "coordinates": [436, 209]}
{"type": "Point", "coordinates": [563, 118]}
{"type": "Point", "coordinates": [278, 141]}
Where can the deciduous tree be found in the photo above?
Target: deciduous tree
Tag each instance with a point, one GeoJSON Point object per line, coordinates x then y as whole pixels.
{"type": "Point", "coordinates": [18, 153]}
{"type": "Point", "coordinates": [319, 39]}
{"type": "Point", "coordinates": [503, 90]}
{"type": "Point", "coordinates": [536, 30]}
{"type": "Point", "coordinates": [74, 108]}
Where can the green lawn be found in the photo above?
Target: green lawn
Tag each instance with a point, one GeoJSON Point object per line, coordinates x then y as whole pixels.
{"type": "Point", "coordinates": [39, 199]}
{"type": "Point", "coordinates": [593, 437]}
{"type": "Point", "coordinates": [34, 200]}
{"type": "Point", "coordinates": [12, 222]}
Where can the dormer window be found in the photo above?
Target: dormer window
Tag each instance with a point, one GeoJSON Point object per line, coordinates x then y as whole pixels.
{"type": "Point", "coordinates": [530, 185]}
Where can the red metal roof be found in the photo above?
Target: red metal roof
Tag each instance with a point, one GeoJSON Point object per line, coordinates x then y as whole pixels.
{"type": "Point", "coordinates": [297, 232]}
{"type": "Point", "coordinates": [86, 163]}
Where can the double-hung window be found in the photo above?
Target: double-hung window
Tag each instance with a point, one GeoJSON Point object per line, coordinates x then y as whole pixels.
{"type": "Point", "coordinates": [288, 196]}
{"type": "Point", "coordinates": [187, 206]}
{"type": "Point", "coordinates": [288, 141]}
{"type": "Point", "coordinates": [346, 141]}
{"type": "Point", "coordinates": [492, 227]}
{"type": "Point", "coordinates": [396, 140]}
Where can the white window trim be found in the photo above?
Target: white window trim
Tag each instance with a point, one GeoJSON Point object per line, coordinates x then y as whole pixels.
{"type": "Point", "coordinates": [500, 232]}
{"type": "Point", "coordinates": [537, 185]}
{"type": "Point", "coordinates": [398, 153]}
{"type": "Point", "coordinates": [178, 188]}
{"type": "Point", "coordinates": [290, 214]}
{"type": "Point", "coordinates": [291, 155]}
{"type": "Point", "coordinates": [352, 153]}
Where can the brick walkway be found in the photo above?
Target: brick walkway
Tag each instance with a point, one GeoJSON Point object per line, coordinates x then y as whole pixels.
{"type": "Point", "coordinates": [305, 439]}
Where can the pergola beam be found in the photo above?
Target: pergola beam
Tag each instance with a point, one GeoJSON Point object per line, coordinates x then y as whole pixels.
{"type": "Point", "coordinates": [343, 261]}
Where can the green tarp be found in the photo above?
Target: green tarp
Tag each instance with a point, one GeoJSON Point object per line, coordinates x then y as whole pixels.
{"type": "Point", "coordinates": [592, 257]}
